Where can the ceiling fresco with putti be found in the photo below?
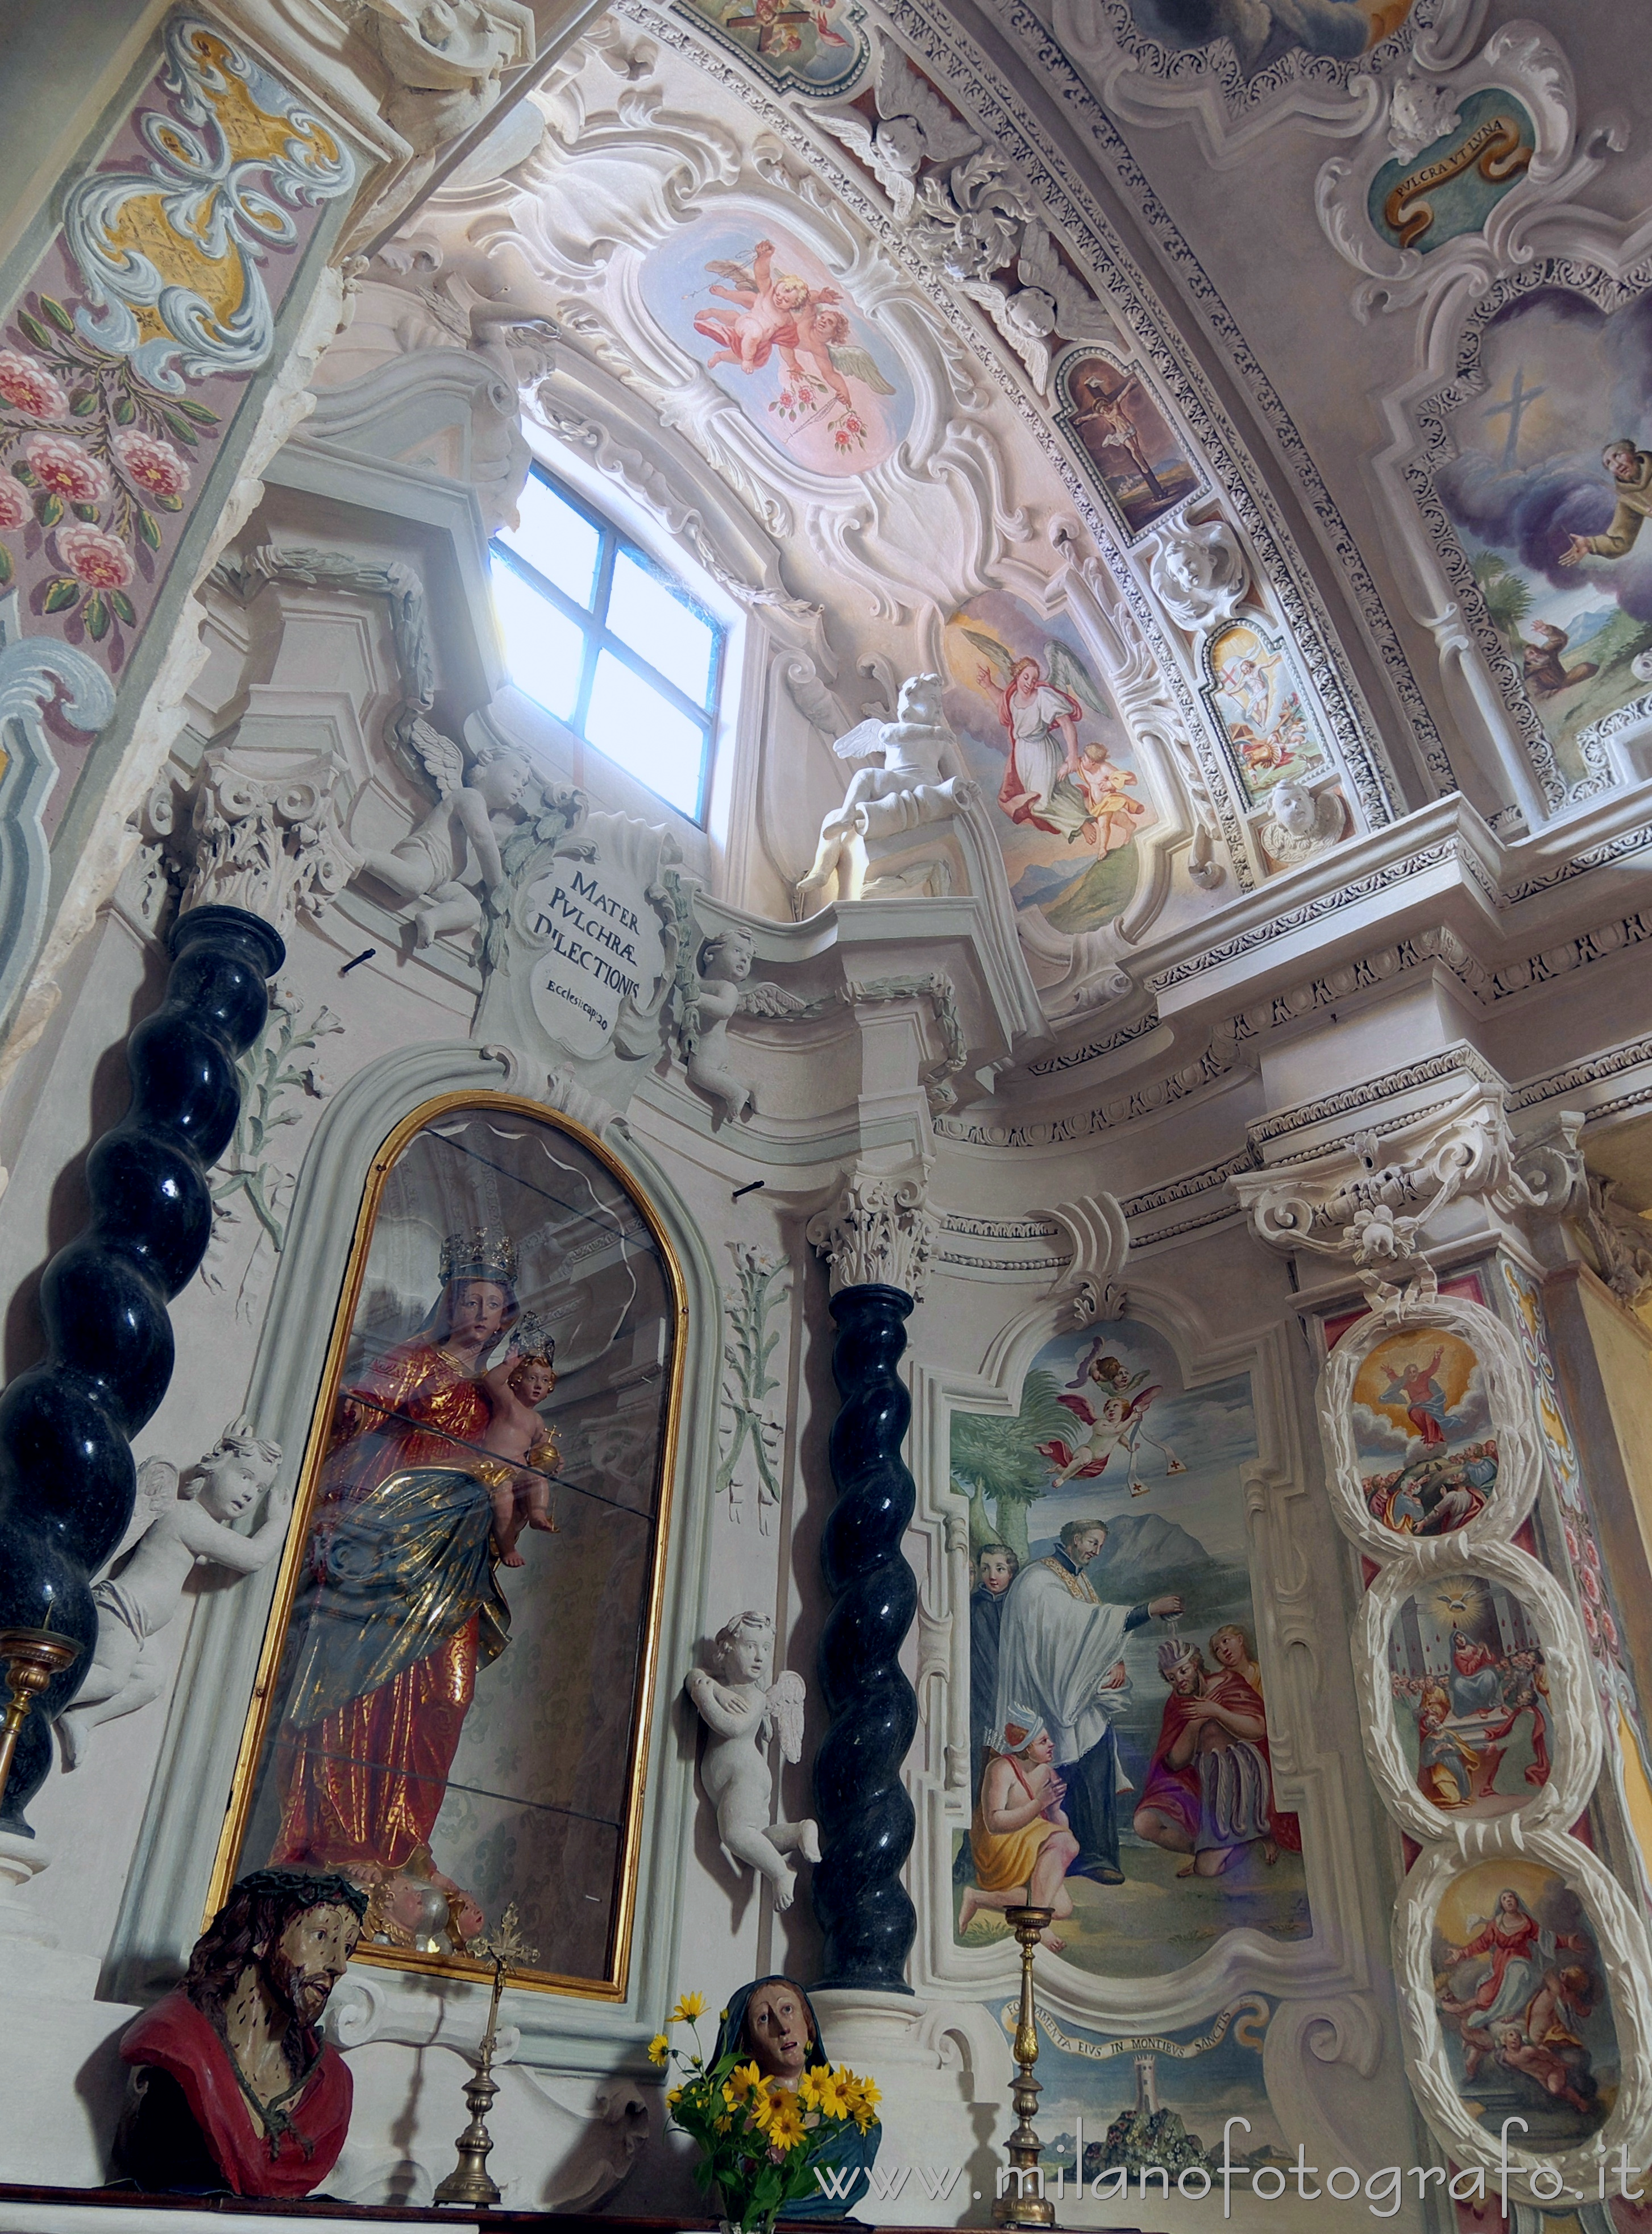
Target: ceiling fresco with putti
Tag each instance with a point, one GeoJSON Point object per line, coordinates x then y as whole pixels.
{"type": "Point", "coordinates": [1189, 390]}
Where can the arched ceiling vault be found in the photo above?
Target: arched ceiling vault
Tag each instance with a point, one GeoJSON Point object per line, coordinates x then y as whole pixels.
{"type": "Point", "coordinates": [885, 313]}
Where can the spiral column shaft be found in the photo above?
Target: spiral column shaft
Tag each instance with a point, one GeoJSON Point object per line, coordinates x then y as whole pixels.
{"type": "Point", "coordinates": [67, 1477]}
{"type": "Point", "coordinates": [865, 1817]}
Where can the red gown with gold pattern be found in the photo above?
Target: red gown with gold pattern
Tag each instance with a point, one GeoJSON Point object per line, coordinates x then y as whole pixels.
{"type": "Point", "coordinates": [397, 1606]}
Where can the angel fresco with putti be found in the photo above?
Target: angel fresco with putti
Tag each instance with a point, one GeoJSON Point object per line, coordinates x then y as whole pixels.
{"type": "Point", "coordinates": [1026, 707]}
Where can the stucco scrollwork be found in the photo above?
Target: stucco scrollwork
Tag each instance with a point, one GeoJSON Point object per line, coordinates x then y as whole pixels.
{"type": "Point", "coordinates": [1621, 1241]}
{"type": "Point", "coordinates": [1527, 152]}
{"type": "Point", "coordinates": [1370, 1200]}
{"type": "Point", "coordinates": [31, 670]}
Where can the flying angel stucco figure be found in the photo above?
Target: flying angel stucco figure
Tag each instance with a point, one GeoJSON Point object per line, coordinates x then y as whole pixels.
{"type": "Point", "coordinates": [743, 1711]}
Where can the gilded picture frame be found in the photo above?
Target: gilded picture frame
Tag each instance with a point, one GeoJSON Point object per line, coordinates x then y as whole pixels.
{"type": "Point", "coordinates": [440, 1952]}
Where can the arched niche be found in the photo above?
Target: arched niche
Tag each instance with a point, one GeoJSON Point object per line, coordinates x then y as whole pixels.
{"type": "Point", "coordinates": [487, 1471]}
{"type": "Point", "coordinates": [322, 1320]}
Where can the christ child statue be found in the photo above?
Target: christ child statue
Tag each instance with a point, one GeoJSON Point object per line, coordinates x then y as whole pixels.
{"type": "Point", "coordinates": [517, 1437]}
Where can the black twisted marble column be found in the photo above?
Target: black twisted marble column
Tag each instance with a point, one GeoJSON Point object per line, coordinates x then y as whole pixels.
{"type": "Point", "coordinates": [66, 1470]}
{"type": "Point", "coordinates": [865, 1817]}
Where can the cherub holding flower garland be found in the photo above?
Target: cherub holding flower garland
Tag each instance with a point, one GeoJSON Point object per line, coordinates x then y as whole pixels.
{"type": "Point", "coordinates": [778, 2127]}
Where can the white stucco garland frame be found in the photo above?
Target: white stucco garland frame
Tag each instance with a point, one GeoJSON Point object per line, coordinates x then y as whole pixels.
{"type": "Point", "coordinates": [1298, 1641]}
{"type": "Point", "coordinates": [1519, 1460]}
{"type": "Point", "coordinates": [1573, 1721]}
{"type": "Point", "coordinates": [1626, 1960]}
{"type": "Point", "coordinates": [172, 1865]}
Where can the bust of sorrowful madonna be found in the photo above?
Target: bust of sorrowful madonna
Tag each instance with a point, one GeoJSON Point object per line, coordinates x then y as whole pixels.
{"type": "Point", "coordinates": [772, 2021]}
{"type": "Point", "coordinates": [234, 2087]}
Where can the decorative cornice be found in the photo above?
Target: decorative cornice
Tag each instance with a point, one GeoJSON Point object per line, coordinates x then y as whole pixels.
{"type": "Point", "coordinates": [1447, 1063]}
{"type": "Point", "coordinates": [1308, 912]}
{"type": "Point", "coordinates": [1195, 1183]}
{"type": "Point", "coordinates": [1052, 1066]}
{"type": "Point", "coordinates": [1574, 1077]}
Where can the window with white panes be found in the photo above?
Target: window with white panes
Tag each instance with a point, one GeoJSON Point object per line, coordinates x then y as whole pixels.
{"type": "Point", "coordinates": [609, 642]}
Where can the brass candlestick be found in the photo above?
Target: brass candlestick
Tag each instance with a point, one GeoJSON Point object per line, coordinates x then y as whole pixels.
{"type": "Point", "coordinates": [468, 2181]}
{"type": "Point", "coordinates": [1023, 2209]}
{"type": "Point", "coordinates": [32, 1657]}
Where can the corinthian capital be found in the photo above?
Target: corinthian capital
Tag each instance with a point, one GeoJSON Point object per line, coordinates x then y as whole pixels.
{"type": "Point", "coordinates": [877, 1233]}
{"type": "Point", "coordinates": [270, 844]}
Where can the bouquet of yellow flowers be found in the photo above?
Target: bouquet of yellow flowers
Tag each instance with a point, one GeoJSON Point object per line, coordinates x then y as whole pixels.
{"type": "Point", "coordinates": [760, 2143]}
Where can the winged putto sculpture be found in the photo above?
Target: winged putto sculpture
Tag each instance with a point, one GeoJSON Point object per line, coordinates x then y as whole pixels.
{"type": "Point", "coordinates": [721, 991]}
{"type": "Point", "coordinates": [912, 780]}
{"type": "Point", "coordinates": [914, 126]}
{"type": "Point", "coordinates": [448, 865]}
{"type": "Point", "coordinates": [743, 1712]}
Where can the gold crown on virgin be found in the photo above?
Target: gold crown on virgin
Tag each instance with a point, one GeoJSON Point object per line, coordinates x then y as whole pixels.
{"type": "Point", "coordinates": [482, 1255]}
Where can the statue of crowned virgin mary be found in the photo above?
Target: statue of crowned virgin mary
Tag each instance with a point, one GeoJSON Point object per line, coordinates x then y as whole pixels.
{"type": "Point", "coordinates": [399, 1603]}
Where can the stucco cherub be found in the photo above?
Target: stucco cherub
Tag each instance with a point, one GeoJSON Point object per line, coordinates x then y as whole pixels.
{"type": "Point", "coordinates": [1302, 823]}
{"type": "Point", "coordinates": [721, 992]}
{"type": "Point", "coordinates": [742, 1711]}
{"type": "Point", "coordinates": [446, 59]}
{"type": "Point", "coordinates": [1199, 575]}
{"type": "Point", "coordinates": [452, 858]}
{"type": "Point", "coordinates": [179, 1519]}
{"type": "Point", "coordinates": [912, 754]}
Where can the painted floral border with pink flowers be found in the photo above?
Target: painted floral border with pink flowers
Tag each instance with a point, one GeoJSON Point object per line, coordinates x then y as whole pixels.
{"type": "Point", "coordinates": [90, 455]}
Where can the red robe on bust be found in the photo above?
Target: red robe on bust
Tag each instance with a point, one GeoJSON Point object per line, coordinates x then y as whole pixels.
{"type": "Point", "coordinates": [179, 2042]}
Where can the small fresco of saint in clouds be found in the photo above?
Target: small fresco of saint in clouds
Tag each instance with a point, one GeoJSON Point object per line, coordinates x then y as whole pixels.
{"type": "Point", "coordinates": [1259, 708]}
{"type": "Point", "coordinates": [1472, 1696]}
{"type": "Point", "coordinates": [1420, 1409]}
{"type": "Point", "coordinates": [783, 340]}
